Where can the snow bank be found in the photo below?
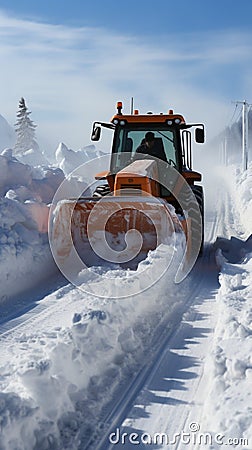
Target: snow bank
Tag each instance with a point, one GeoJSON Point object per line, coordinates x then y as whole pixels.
{"type": "Point", "coordinates": [227, 408]}
{"type": "Point", "coordinates": [25, 256]}
{"type": "Point", "coordinates": [24, 253]}
{"type": "Point", "coordinates": [26, 190]}
{"type": "Point", "coordinates": [61, 372]}
{"type": "Point", "coordinates": [239, 186]}
{"type": "Point", "coordinates": [7, 134]}
{"type": "Point", "coordinates": [12, 173]}
{"type": "Point", "coordinates": [243, 197]}
{"type": "Point", "coordinates": [33, 157]}
{"type": "Point", "coordinates": [68, 159]}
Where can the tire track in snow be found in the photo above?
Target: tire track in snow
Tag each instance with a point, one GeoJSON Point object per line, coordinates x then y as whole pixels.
{"type": "Point", "coordinates": [46, 308]}
{"type": "Point", "coordinates": [116, 412]}
{"type": "Point", "coordinates": [118, 409]}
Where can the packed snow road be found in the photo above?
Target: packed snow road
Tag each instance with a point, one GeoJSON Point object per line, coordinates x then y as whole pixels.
{"type": "Point", "coordinates": [168, 394]}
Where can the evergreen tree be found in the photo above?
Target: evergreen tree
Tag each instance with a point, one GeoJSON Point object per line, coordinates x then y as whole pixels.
{"type": "Point", "coordinates": [25, 129]}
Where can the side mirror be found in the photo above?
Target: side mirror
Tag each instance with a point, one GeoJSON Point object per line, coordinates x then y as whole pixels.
{"type": "Point", "coordinates": [96, 133]}
{"type": "Point", "coordinates": [200, 135]}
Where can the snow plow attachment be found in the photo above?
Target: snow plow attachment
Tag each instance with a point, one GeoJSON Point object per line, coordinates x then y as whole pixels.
{"type": "Point", "coordinates": [113, 229]}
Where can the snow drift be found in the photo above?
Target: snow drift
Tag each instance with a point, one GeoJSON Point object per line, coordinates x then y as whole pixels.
{"type": "Point", "coordinates": [62, 369]}
{"type": "Point", "coordinates": [228, 405]}
{"type": "Point", "coordinates": [68, 160]}
{"type": "Point", "coordinates": [7, 134]}
{"type": "Point", "coordinates": [25, 193]}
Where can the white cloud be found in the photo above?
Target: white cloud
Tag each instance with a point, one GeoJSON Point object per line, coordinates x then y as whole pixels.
{"type": "Point", "coordinates": [72, 76]}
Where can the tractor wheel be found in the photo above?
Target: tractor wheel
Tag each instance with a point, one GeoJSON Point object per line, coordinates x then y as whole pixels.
{"type": "Point", "coordinates": [101, 191]}
{"type": "Point", "coordinates": [199, 195]}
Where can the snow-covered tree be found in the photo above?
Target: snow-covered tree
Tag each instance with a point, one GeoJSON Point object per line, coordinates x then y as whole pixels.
{"type": "Point", "coordinates": [25, 129]}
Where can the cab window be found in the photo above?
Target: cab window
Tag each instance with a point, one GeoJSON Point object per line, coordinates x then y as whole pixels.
{"type": "Point", "coordinates": [128, 141]}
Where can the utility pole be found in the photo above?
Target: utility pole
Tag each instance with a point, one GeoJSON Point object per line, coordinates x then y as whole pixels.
{"type": "Point", "coordinates": [225, 151]}
{"type": "Point", "coordinates": [245, 109]}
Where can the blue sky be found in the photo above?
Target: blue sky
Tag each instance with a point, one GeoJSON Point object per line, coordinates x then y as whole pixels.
{"type": "Point", "coordinates": [72, 61]}
{"type": "Point", "coordinates": [154, 17]}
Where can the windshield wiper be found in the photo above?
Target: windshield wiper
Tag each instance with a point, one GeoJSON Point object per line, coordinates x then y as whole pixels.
{"type": "Point", "coordinates": [166, 137]}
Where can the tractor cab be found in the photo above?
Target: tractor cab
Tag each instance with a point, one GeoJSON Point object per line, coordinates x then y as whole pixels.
{"type": "Point", "coordinates": [171, 134]}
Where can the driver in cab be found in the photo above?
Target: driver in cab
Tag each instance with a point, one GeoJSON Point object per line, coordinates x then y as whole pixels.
{"type": "Point", "coordinates": [151, 146]}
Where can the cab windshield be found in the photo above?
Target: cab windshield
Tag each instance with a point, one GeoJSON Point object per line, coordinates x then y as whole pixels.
{"type": "Point", "coordinates": [128, 142]}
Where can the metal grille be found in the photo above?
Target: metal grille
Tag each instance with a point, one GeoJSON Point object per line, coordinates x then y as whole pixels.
{"type": "Point", "coordinates": [131, 189]}
{"type": "Point", "coordinates": [131, 186]}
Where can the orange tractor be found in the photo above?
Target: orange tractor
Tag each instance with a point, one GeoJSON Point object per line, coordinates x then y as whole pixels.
{"type": "Point", "coordinates": [150, 189]}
